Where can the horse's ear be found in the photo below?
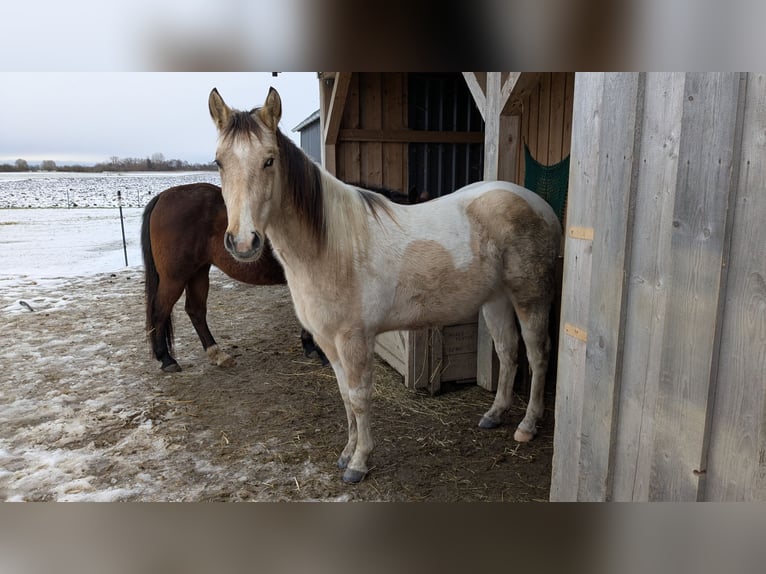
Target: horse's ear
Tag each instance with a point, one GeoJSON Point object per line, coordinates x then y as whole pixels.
{"type": "Point", "coordinates": [219, 111]}
{"type": "Point", "coordinates": [271, 112]}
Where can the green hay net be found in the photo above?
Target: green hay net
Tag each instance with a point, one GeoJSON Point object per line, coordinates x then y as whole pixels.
{"type": "Point", "coordinates": [549, 181]}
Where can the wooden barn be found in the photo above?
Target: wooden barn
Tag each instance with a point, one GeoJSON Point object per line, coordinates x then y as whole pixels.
{"type": "Point", "coordinates": [661, 391]}
{"type": "Point", "coordinates": [660, 378]}
{"type": "Point", "coordinates": [426, 133]}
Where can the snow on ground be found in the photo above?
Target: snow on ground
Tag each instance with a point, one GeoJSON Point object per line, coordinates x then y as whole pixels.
{"type": "Point", "coordinates": [49, 189]}
{"type": "Point", "coordinates": [47, 255]}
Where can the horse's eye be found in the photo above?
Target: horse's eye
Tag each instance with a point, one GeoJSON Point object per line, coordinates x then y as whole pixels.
{"type": "Point", "coordinates": [218, 163]}
{"type": "Point", "coordinates": [269, 162]}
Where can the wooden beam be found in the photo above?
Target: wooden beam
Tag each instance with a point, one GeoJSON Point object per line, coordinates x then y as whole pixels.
{"type": "Point", "coordinates": [516, 88]}
{"type": "Point", "coordinates": [477, 82]}
{"type": "Point", "coordinates": [487, 364]}
{"type": "Point", "coordinates": [335, 107]}
{"type": "Point", "coordinates": [492, 126]}
{"type": "Point", "coordinates": [325, 91]}
{"type": "Point", "coordinates": [508, 85]}
{"type": "Point", "coordinates": [621, 114]}
{"type": "Point", "coordinates": [408, 136]}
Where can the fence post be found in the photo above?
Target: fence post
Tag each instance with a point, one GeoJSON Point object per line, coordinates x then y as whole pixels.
{"type": "Point", "coordinates": [122, 225]}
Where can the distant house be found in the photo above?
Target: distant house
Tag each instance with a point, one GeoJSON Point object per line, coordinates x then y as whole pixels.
{"type": "Point", "coordinates": [310, 136]}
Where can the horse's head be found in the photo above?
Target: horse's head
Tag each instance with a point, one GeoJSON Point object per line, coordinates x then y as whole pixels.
{"type": "Point", "coordinates": [247, 158]}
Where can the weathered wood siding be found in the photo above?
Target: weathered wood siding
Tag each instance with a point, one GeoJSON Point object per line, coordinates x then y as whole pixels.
{"type": "Point", "coordinates": [661, 388]}
{"type": "Point", "coordinates": [546, 121]}
{"type": "Point", "coordinates": [376, 104]}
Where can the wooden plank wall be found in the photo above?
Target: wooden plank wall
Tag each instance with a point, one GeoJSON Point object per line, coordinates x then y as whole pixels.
{"type": "Point", "coordinates": [376, 101]}
{"type": "Point", "coordinates": [735, 466]}
{"type": "Point", "coordinates": [664, 398]}
{"type": "Point", "coordinates": [546, 121]}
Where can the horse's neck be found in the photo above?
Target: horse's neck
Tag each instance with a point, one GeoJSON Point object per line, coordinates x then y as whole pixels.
{"type": "Point", "coordinates": [346, 230]}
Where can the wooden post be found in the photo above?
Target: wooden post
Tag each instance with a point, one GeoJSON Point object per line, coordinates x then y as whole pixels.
{"type": "Point", "coordinates": [501, 141]}
{"type": "Point", "coordinates": [332, 95]}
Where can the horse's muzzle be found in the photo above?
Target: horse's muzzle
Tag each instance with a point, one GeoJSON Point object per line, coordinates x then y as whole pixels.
{"type": "Point", "coordinates": [243, 251]}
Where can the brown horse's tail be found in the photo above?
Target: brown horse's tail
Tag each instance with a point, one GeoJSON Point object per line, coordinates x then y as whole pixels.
{"type": "Point", "coordinates": [151, 286]}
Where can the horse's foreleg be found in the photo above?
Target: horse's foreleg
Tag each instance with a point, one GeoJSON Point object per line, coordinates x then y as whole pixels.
{"type": "Point", "coordinates": [340, 376]}
{"type": "Point", "coordinates": [501, 325]}
{"type": "Point", "coordinates": [356, 356]}
{"type": "Point", "coordinates": [534, 329]}
{"type": "Point", "coordinates": [197, 289]}
{"type": "Point", "coordinates": [348, 450]}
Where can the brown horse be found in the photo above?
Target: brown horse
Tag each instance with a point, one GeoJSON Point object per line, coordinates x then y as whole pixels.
{"type": "Point", "coordinates": [182, 235]}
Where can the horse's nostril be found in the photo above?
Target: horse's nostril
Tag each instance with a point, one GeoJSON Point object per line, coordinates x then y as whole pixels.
{"type": "Point", "coordinates": [256, 241]}
{"type": "Point", "coordinates": [228, 242]}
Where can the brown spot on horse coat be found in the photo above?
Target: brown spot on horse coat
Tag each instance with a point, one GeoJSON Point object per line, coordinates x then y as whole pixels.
{"type": "Point", "coordinates": [530, 250]}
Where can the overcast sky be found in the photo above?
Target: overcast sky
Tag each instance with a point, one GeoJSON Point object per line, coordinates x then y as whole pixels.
{"type": "Point", "coordinates": [89, 117]}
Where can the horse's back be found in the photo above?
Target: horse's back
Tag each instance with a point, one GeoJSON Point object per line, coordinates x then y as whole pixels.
{"type": "Point", "coordinates": [448, 256]}
{"type": "Point", "coordinates": [190, 206]}
{"type": "Point", "coordinates": [475, 191]}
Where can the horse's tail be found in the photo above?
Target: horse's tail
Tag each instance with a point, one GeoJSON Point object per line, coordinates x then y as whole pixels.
{"type": "Point", "coordinates": [152, 284]}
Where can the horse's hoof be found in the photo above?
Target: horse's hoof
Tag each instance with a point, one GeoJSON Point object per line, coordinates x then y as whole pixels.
{"type": "Point", "coordinates": [488, 423]}
{"type": "Point", "coordinates": [226, 361]}
{"type": "Point", "coordinates": [522, 435]}
{"type": "Point", "coordinates": [343, 462]}
{"type": "Point", "coordinates": [352, 476]}
{"type": "Point", "coordinates": [172, 368]}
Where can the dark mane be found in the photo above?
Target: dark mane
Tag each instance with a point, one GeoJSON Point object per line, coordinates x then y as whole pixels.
{"type": "Point", "coordinates": [304, 183]}
{"type": "Point", "coordinates": [374, 199]}
{"type": "Point", "coordinates": [242, 124]}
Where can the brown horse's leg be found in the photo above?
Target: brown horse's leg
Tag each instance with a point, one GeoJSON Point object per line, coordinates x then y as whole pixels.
{"type": "Point", "coordinates": [310, 346]}
{"type": "Point", "coordinates": [197, 290]}
{"type": "Point", "coordinates": [161, 334]}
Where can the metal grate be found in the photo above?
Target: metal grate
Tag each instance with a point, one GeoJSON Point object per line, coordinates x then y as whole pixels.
{"type": "Point", "coordinates": [442, 102]}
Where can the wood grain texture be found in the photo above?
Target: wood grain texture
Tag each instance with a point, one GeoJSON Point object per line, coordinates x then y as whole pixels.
{"type": "Point", "coordinates": [648, 279]}
{"type": "Point", "coordinates": [621, 101]}
{"type": "Point", "coordinates": [696, 245]}
{"type": "Point", "coordinates": [578, 259]}
{"type": "Point", "coordinates": [736, 467]}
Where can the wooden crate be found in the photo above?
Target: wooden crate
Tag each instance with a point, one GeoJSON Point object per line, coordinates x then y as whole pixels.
{"type": "Point", "coordinates": [427, 358]}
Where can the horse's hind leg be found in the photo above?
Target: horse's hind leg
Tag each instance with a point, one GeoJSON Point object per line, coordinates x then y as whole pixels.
{"type": "Point", "coordinates": [501, 324]}
{"type": "Point", "coordinates": [534, 329]}
{"type": "Point", "coordinates": [197, 289]}
{"type": "Point", "coordinates": [161, 329]}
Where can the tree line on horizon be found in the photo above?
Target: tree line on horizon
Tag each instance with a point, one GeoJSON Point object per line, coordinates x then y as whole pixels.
{"type": "Point", "coordinates": [156, 162]}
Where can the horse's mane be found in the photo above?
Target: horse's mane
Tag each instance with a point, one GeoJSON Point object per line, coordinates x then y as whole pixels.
{"type": "Point", "coordinates": [242, 124]}
{"type": "Point", "coordinates": [303, 181]}
{"type": "Point", "coordinates": [336, 225]}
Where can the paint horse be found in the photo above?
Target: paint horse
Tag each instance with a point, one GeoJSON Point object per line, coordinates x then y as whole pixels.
{"type": "Point", "coordinates": [182, 235]}
{"type": "Point", "coordinates": [358, 265]}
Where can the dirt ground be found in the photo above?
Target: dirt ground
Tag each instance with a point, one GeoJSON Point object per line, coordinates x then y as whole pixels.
{"type": "Point", "coordinates": [88, 415]}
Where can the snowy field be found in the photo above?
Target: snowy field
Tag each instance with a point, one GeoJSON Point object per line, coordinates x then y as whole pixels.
{"type": "Point", "coordinates": [70, 238]}
{"type": "Point", "coordinates": [48, 189]}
